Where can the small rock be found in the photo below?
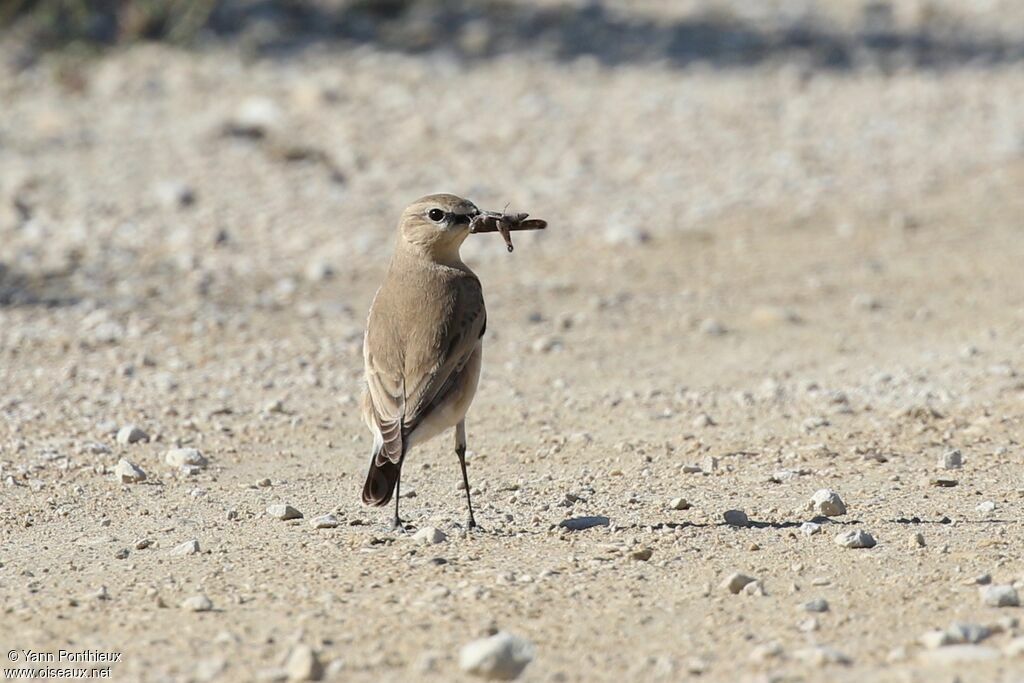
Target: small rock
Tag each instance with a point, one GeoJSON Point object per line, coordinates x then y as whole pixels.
{"type": "Point", "coordinates": [303, 664]}
{"type": "Point", "coordinates": [917, 540]}
{"type": "Point", "coordinates": [999, 596]}
{"type": "Point", "coordinates": [256, 117]}
{"type": "Point", "coordinates": [816, 605]}
{"type": "Point", "coordinates": [855, 538]}
{"type": "Point", "coordinates": [822, 655]}
{"type": "Point", "coordinates": [942, 482]}
{"type": "Point", "coordinates": [951, 460]}
{"type": "Point", "coordinates": [642, 555]}
{"type": "Point", "coordinates": [174, 194]}
{"type": "Point", "coordinates": [692, 469]}
{"type": "Point", "coordinates": [827, 502]}
{"type": "Point", "coordinates": [581, 523]}
{"type": "Point", "coordinates": [960, 632]}
{"type": "Point", "coordinates": [712, 327]}
{"type": "Point", "coordinates": [327, 521]}
{"type": "Point", "coordinates": [501, 657]}
{"type": "Point", "coordinates": [186, 548]}
{"type": "Point", "coordinates": [197, 603]}
{"type": "Point", "coordinates": [737, 518]}
{"type": "Point", "coordinates": [283, 512]}
{"type": "Point", "coordinates": [679, 504]}
{"type": "Point", "coordinates": [709, 464]}
{"type": "Point", "coordinates": [765, 652]}
{"type": "Point", "coordinates": [986, 507]}
{"type": "Point", "coordinates": [430, 535]}
{"type": "Point", "coordinates": [736, 582]}
{"type": "Point", "coordinates": [935, 639]}
{"type": "Point", "coordinates": [959, 654]}
{"type": "Point", "coordinates": [128, 473]}
{"type": "Point", "coordinates": [182, 457]}
{"type": "Point", "coordinates": [131, 434]}
{"type": "Point", "coordinates": [702, 420]}
{"type": "Point", "coordinates": [810, 528]}
{"type": "Point", "coordinates": [143, 543]}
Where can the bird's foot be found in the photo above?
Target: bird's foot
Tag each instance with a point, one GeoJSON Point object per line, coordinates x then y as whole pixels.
{"type": "Point", "coordinates": [398, 525]}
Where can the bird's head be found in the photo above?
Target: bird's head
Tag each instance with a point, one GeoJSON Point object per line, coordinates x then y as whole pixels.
{"type": "Point", "coordinates": [437, 224]}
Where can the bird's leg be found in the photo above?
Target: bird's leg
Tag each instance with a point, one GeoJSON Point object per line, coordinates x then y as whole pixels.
{"type": "Point", "coordinates": [396, 523]}
{"type": "Point", "coordinates": [460, 450]}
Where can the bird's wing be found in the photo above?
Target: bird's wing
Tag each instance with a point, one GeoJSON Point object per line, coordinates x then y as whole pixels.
{"type": "Point", "coordinates": [404, 387]}
{"type": "Point", "coordinates": [462, 329]}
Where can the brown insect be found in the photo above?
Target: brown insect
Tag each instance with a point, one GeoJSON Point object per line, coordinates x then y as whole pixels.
{"type": "Point", "coordinates": [505, 223]}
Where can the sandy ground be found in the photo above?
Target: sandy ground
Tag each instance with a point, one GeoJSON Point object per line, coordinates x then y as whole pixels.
{"type": "Point", "coordinates": [783, 278]}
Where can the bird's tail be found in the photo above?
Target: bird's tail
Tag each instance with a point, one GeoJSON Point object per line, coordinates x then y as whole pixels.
{"type": "Point", "coordinates": [380, 482]}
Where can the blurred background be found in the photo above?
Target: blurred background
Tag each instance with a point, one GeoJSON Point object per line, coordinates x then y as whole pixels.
{"type": "Point", "coordinates": [294, 131]}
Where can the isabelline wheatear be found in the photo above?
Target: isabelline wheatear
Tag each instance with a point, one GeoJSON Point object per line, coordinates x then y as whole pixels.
{"type": "Point", "coordinates": [422, 349]}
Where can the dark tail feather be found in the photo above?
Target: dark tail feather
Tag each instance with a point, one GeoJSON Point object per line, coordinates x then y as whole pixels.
{"type": "Point", "coordinates": [380, 483]}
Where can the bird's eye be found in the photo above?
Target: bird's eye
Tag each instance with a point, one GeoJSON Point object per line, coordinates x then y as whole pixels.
{"type": "Point", "coordinates": [436, 215]}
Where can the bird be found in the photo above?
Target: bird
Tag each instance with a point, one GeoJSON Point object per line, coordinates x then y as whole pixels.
{"type": "Point", "coordinates": [423, 345]}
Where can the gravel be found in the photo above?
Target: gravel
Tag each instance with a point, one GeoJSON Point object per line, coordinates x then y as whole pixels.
{"type": "Point", "coordinates": [736, 582]}
{"type": "Point", "coordinates": [328, 521]}
{"type": "Point", "coordinates": [187, 548]}
{"type": "Point", "coordinates": [736, 518]}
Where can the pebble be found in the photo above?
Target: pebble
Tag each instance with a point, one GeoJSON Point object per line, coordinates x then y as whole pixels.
{"type": "Point", "coordinates": [999, 596]}
{"type": "Point", "coordinates": [855, 538]}
{"type": "Point", "coordinates": [827, 502]}
{"type": "Point", "coordinates": [181, 457]}
{"type": "Point", "coordinates": [174, 194]}
{"type": "Point", "coordinates": [327, 521]}
{"type": "Point", "coordinates": [186, 548]}
{"type": "Point", "coordinates": [960, 632]}
{"type": "Point", "coordinates": [703, 420]}
{"type": "Point", "coordinates": [692, 469]}
{"type": "Point", "coordinates": [642, 554]}
{"type": "Point", "coordinates": [303, 664]}
{"type": "Point", "coordinates": [712, 327]}
{"type": "Point", "coordinates": [986, 506]}
{"type": "Point", "coordinates": [917, 540]}
{"type": "Point", "coordinates": [942, 482]}
{"type": "Point", "coordinates": [737, 518]}
{"type": "Point", "coordinates": [765, 652]}
{"type": "Point", "coordinates": [581, 523]}
{"type": "Point", "coordinates": [197, 603]}
{"type": "Point", "coordinates": [736, 582]}
{"type": "Point", "coordinates": [951, 460]}
{"type": "Point", "coordinates": [679, 504]}
{"type": "Point", "coordinates": [256, 117]}
{"type": "Point", "coordinates": [810, 528]}
{"type": "Point", "coordinates": [816, 605]}
{"type": "Point", "coordinates": [131, 434]}
{"type": "Point", "coordinates": [128, 473]}
{"type": "Point", "coordinates": [430, 535]}
{"type": "Point", "coordinates": [959, 654]}
{"type": "Point", "coordinates": [283, 512]}
{"type": "Point", "coordinates": [822, 655]}
{"type": "Point", "coordinates": [501, 657]}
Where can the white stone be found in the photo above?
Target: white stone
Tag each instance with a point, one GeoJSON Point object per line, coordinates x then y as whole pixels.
{"type": "Point", "coordinates": [131, 434]}
{"type": "Point", "coordinates": [821, 655]}
{"type": "Point", "coordinates": [999, 596]}
{"type": "Point", "coordinates": [951, 460]}
{"type": "Point", "coordinates": [327, 521]}
{"type": "Point", "coordinates": [182, 457]}
{"type": "Point", "coordinates": [736, 582]}
{"type": "Point", "coordinates": [501, 657]}
{"type": "Point", "coordinates": [186, 548]}
{"type": "Point", "coordinates": [712, 327]}
{"type": "Point", "coordinates": [197, 603]}
{"type": "Point", "coordinates": [986, 507]}
{"type": "Point", "coordinates": [679, 504]}
{"type": "Point", "coordinates": [827, 502]}
{"type": "Point", "coordinates": [303, 664]}
{"type": "Point", "coordinates": [283, 512]}
{"type": "Point", "coordinates": [855, 538]}
{"type": "Point", "coordinates": [429, 535]}
{"type": "Point", "coordinates": [810, 528]}
{"type": "Point", "coordinates": [128, 473]}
